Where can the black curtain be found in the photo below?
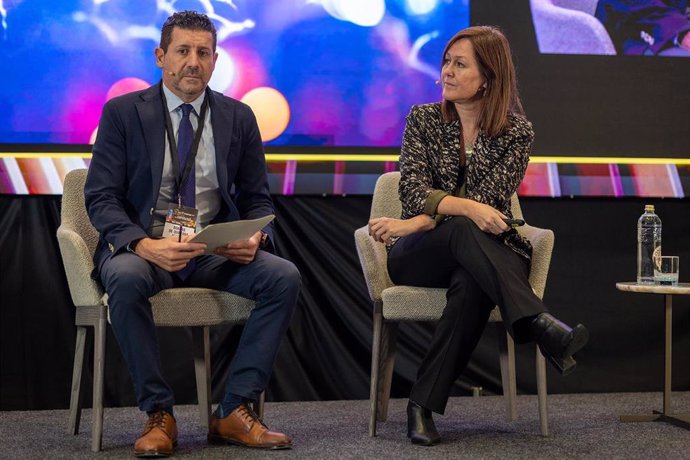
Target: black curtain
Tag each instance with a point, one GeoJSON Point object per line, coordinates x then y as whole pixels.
{"type": "Point", "coordinates": [326, 354]}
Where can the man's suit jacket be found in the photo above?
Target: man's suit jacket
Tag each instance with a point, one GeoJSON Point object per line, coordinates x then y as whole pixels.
{"type": "Point", "coordinates": [125, 173]}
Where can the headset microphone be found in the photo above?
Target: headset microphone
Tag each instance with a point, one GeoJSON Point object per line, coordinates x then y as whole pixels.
{"type": "Point", "coordinates": [437, 82]}
{"type": "Point", "coordinates": [172, 74]}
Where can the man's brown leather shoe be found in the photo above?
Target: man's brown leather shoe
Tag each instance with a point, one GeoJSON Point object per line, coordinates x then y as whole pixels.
{"type": "Point", "coordinates": [243, 427]}
{"type": "Point", "coordinates": [159, 437]}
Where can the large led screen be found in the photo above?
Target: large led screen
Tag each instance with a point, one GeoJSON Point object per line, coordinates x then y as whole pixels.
{"type": "Point", "coordinates": [613, 27]}
{"type": "Point", "coordinates": [584, 103]}
{"type": "Point", "coordinates": [323, 72]}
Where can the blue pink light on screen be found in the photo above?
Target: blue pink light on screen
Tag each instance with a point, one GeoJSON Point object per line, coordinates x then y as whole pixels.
{"type": "Point", "coordinates": [341, 72]}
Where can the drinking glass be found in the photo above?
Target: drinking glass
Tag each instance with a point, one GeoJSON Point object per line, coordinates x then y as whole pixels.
{"type": "Point", "coordinates": [666, 273]}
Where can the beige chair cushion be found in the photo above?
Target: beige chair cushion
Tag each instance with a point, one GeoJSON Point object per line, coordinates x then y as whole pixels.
{"type": "Point", "coordinates": [410, 303]}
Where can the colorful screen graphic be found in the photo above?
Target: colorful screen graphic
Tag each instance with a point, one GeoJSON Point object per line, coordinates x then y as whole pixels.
{"type": "Point", "coordinates": [317, 72]}
{"type": "Point", "coordinates": [610, 27]}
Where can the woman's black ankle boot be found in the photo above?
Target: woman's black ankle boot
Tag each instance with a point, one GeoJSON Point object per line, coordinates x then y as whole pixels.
{"type": "Point", "coordinates": [557, 341]}
{"type": "Point", "coordinates": [420, 426]}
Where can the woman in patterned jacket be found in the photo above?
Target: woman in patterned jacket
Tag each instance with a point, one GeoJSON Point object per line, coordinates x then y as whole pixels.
{"type": "Point", "coordinates": [461, 161]}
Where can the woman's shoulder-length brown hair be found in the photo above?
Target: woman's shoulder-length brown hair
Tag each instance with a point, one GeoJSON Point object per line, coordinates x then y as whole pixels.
{"type": "Point", "coordinates": [492, 52]}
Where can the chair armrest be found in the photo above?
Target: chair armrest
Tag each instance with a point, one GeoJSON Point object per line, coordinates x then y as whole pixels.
{"type": "Point", "coordinates": [78, 267]}
{"type": "Point", "coordinates": [373, 257]}
{"type": "Point", "coordinates": [542, 246]}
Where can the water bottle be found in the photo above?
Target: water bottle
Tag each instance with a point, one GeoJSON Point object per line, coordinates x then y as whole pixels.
{"type": "Point", "coordinates": [648, 245]}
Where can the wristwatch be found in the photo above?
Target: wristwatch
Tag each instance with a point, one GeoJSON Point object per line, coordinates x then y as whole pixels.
{"type": "Point", "coordinates": [264, 240]}
{"type": "Point", "coordinates": [132, 245]}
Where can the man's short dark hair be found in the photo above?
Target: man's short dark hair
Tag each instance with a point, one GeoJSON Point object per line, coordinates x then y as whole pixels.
{"type": "Point", "coordinates": [189, 20]}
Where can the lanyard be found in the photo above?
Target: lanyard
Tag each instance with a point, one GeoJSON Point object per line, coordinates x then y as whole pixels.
{"type": "Point", "coordinates": [181, 179]}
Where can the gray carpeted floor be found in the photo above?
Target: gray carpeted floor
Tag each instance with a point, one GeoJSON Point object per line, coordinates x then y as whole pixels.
{"type": "Point", "coordinates": [582, 426]}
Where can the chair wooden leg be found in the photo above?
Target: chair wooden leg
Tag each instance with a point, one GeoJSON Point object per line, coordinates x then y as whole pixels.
{"type": "Point", "coordinates": [541, 391]}
{"type": "Point", "coordinates": [75, 398]}
{"type": "Point", "coordinates": [98, 374]}
{"type": "Point", "coordinates": [389, 332]}
{"type": "Point", "coordinates": [375, 357]}
{"type": "Point", "coordinates": [202, 369]}
{"type": "Point", "coordinates": [506, 351]}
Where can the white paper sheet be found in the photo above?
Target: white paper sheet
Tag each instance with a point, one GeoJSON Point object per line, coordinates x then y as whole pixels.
{"type": "Point", "coordinates": [216, 235]}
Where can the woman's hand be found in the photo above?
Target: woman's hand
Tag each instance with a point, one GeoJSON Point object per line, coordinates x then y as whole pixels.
{"type": "Point", "coordinates": [382, 229]}
{"type": "Point", "coordinates": [488, 219]}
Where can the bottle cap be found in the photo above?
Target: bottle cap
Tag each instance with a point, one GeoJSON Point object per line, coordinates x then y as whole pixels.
{"type": "Point", "coordinates": [649, 208]}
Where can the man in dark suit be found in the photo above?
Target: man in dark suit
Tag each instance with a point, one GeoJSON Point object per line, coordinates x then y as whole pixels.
{"type": "Point", "coordinates": [647, 27]}
{"type": "Point", "coordinates": [175, 151]}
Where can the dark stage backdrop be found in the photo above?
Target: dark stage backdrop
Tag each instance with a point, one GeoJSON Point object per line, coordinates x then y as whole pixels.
{"type": "Point", "coordinates": [326, 354]}
{"type": "Point", "coordinates": [580, 105]}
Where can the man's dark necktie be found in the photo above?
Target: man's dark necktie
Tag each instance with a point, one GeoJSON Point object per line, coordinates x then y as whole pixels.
{"type": "Point", "coordinates": [185, 136]}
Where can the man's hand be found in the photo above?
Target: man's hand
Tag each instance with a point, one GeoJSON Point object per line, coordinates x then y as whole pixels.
{"type": "Point", "coordinates": [241, 252]}
{"type": "Point", "coordinates": [168, 253]}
